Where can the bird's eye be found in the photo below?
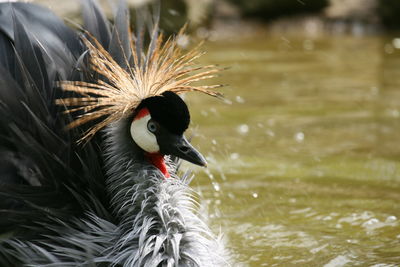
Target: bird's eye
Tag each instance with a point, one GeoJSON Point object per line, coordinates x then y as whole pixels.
{"type": "Point", "coordinates": [152, 126]}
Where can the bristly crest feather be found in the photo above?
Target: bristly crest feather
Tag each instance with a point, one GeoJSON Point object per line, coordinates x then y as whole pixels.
{"type": "Point", "coordinates": [164, 67]}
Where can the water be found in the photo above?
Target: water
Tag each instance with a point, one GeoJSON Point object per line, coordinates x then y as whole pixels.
{"type": "Point", "coordinates": [304, 154]}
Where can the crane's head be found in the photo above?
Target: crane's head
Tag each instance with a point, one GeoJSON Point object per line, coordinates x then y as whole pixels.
{"type": "Point", "coordinates": [158, 127]}
{"type": "Point", "coordinates": [146, 91]}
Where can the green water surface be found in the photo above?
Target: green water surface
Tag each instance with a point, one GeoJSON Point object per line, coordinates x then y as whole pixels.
{"type": "Point", "coordinates": [304, 154]}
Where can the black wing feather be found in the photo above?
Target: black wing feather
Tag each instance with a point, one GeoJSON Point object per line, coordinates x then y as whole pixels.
{"type": "Point", "coordinates": [120, 43]}
{"type": "Point", "coordinates": [95, 22]}
{"type": "Point", "coordinates": [44, 173]}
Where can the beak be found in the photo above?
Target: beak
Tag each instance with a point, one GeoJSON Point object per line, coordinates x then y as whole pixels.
{"type": "Point", "coordinates": [177, 145]}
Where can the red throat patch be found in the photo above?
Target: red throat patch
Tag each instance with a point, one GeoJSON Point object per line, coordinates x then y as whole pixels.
{"type": "Point", "coordinates": [158, 161]}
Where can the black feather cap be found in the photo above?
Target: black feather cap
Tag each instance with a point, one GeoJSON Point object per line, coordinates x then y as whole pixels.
{"type": "Point", "coordinates": [169, 110]}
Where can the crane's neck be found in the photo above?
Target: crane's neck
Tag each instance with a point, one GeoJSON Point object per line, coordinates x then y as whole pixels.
{"type": "Point", "coordinates": [155, 216]}
{"type": "Point", "coordinates": [129, 170]}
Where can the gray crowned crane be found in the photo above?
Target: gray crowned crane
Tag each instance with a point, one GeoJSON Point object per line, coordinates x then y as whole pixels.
{"type": "Point", "coordinates": [91, 128]}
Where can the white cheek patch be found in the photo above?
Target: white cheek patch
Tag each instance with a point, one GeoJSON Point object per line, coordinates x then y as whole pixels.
{"type": "Point", "coordinates": [142, 136]}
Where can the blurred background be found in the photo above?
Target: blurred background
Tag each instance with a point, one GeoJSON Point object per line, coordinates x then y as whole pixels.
{"type": "Point", "coordinates": [304, 152]}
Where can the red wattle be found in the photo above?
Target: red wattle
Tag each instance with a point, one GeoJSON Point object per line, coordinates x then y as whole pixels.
{"type": "Point", "coordinates": [158, 161]}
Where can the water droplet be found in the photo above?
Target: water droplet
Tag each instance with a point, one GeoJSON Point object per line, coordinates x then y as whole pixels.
{"type": "Point", "coordinates": [211, 159]}
{"type": "Point", "coordinates": [182, 40]}
{"type": "Point", "coordinates": [239, 99]}
{"type": "Point", "coordinates": [214, 142]}
{"type": "Point", "coordinates": [243, 129]}
{"type": "Point", "coordinates": [299, 137]}
{"type": "Point", "coordinates": [270, 133]}
{"type": "Point", "coordinates": [222, 174]}
{"type": "Point", "coordinates": [255, 195]}
{"type": "Point", "coordinates": [209, 174]}
{"type": "Point", "coordinates": [216, 186]}
{"type": "Point", "coordinates": [227, 101]}
{"type": "Point", "coordinates": [394, 113]}
{"type": "Point", "coordinates": [173, 12]}
{"type": "Point", "coordinates": [234, 156]}
{"type": "Point", "coordinates": [396, 43]}
{"type": "Point", "coordinates": [204, 113]}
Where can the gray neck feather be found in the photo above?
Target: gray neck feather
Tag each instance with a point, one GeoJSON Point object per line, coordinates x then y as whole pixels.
{"type": "Point", "coordinates": [157, 220]}
{"type": "Point", "coordinates": [157, 224]}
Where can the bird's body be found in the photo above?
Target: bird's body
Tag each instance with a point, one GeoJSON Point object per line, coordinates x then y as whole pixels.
{"type": "Point", "coordinates": [113, 200]}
